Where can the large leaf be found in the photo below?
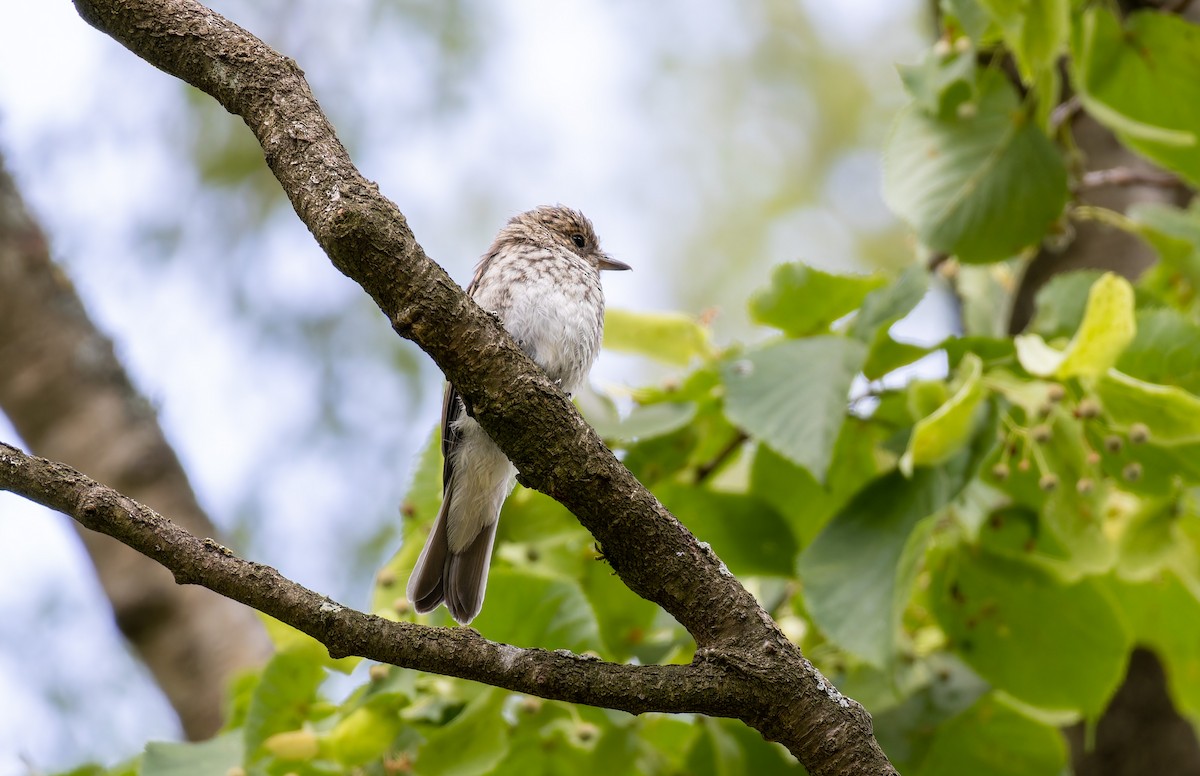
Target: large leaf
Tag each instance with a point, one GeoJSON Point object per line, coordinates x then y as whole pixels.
{"type": "Point", "coordinates": [532, 610]}
{"type": "Point", "coordinates": [1053, 645]}
{"type": "Point", "coordinates": [217, 755]}
{"type": "Point", "coordinates": [728, 748]}
{"type": "Point", "coordinates": [1141, 79]}
{"type": "Point", "coordinates": [1166, 350]}
{"type": "Point", "coordinates": [857, 573]}
{"type": "Point", "coordinates": [802, 300]}
{"type": "Point", "coordinates": [673, 338]}
{"type": "Point", "coordinates": [981, 187]}
{"type": "Point", "coordinates": [992, 738]}
{"type": "Point", "coordinates": [471, 744]}
{"type": "Point", "coordinates": [1164, 614]}
{"type": "Point", "coordinates": [746, 533]}
{"type": "Point", "coordinates": [282, 698]}
{"type": "Point", "coordinates": [792, 395]}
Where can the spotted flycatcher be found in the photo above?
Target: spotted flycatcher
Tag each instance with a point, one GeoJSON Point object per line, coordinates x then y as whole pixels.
{"type": "Point", "coordinates": [542, 278]}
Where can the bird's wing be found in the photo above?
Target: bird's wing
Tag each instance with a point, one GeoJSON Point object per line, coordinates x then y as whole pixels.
{"type": "Point", "coordinates": [452, 409]}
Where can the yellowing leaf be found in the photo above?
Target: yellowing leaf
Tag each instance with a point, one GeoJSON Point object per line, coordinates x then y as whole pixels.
{"type": "Point", "coordinates": [673, 338]}
{"type": "Point", "coordinates": [1106, 330]}
{"type": "Point", "coordinates": [944, 432]}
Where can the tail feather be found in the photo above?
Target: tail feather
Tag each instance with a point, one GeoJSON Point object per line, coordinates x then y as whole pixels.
{"type": "Point", "coordinates": [457, 578]}
{"type": "Point", "coordinates": [425, 587]}
{"type": "Point", "coordinates": [465, 578]}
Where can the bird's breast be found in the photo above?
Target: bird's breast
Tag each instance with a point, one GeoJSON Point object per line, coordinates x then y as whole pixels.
{"type": "Point", "coordinates": [557, 317]}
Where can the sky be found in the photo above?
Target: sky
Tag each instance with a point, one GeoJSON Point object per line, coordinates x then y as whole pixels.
{"type": "Point", "coordinates": [80, 131]}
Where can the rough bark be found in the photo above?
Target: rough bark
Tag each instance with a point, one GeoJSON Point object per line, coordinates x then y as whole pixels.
{"type": "Point", "coordinates": [771, 686]}
{"type": "Point", "coordinates": [69, 398]}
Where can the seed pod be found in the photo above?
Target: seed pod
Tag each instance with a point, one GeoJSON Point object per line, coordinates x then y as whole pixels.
{"type": "Point", "coordinates": [1055, 393]}
{"type": "Point", "coordinates": [1048, 482]}
{"type": "Point", "coordinates": [1040, 433]}
{"type": "Point", "coordinates": [1085, 485]}
{"type": "Point", "coordinates": [1139, 433]}
{"type": "Point", "coordinates": [1001, 471]}
{"type": "Point", "coordinates": [1087, 408]}
{"type": "Point", "coordinates": [1113, 443]}
{"type": "Point", "coordinates": [1132, 471]}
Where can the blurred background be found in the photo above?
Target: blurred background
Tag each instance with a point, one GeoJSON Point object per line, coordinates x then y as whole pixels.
{"type": "Point", "coordinates": [707, 142]}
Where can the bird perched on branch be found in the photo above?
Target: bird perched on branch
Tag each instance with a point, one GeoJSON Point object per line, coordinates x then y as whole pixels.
{"type": "Point", "coordinates": [541, 276]}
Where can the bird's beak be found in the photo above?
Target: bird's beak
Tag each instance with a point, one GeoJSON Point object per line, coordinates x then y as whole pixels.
{"type": "Point", "coordinates": [608, 262]}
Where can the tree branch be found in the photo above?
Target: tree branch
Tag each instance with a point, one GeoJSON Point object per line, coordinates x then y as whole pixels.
{"type": "Point", "coordinates": [1129, 176]}
{"type": "Point", "coordinates": [367, 238]}
{"type": "Point", "coordinates": [704, 687]}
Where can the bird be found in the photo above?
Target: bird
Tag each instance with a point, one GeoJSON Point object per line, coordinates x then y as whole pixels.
{"type": "Point", "coordinates": [541, 278]}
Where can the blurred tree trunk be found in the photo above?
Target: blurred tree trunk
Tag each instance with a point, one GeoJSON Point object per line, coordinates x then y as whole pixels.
{"type": "Point", "coordinates": [70, 400]}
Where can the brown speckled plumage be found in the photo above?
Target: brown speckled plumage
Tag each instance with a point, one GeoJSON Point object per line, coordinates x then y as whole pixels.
{"type": "Point", "coordinates": [541, 276]}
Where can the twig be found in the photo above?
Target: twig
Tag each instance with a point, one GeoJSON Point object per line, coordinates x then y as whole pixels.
{"type": "Point", "coordinates": [1128, 176]}
{"type": "Point", "coordinates": [1064, 112]}
{"type": "Point", "coordinates": [705, 470]}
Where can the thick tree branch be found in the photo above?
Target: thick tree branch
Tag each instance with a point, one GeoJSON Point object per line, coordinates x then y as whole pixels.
{"type": "Point", "coordinates": [705, 687]}
{"type": "Point", "coordinates": [368, 239]}
{"type": "Point", "coordinates": [69, 399]}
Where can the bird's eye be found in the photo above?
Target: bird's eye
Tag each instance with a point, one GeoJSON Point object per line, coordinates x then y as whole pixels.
{"type": "Point", "coordinates": [578, 240]}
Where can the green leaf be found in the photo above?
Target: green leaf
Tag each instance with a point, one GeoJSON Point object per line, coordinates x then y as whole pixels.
{"type": "Point", "coordinates": [855, 583]}
{"type": "Point", "coordinates": [947, 430]}
{"type": "Point", "coordinates": [472, 743]}
{"type": "Point", "coordinates": [745, 532]}
{"type": "Point", "coordinates": [1166, 350]}
{"type": "Point", "coordinates": [728, 748]}
{"type": "Point", "coordinates": [1060, 303]}
{"type": "Point", "coordinates": [886, 355]}
{"type": "Point", "coordinates": [365, 734]}
{"type": "Point", "coordinates": [282, 699]}
{"type": "Point", "coordinates": [993, 738]}
{"type": "Point", "coordinates": [646, 421]}
{"type": "Point", "coordinates": [803, 301]}
{"type": "Point", "coordinates": [1164, 614]}
{"type": "Point", "coordinates": [531, 610]}
{"type": "Point", "coordinates": [1174, 234]}
{"type": "Point", "coordinates": [673, 338]}
{"type": "Point", "coordinates": [1053, 645]}
{"type": "Point", "coordinates": [939, 83]}
{"type": "Point", "coordinates": [792, 395]}
{"type": "Point", "coordinates": [419, 508]}
{"type": "Point", "coordinates": [1036, 31]}
{"type": "Point", "coordinates": [970, 15]}
{"type": "Point", "coordinates": [981, 187]}
{"type": "Point", "coordinates": [1141, 79]}
{"type": "Point", "coordinates": [206, 758]}
{"type": "Point", "coordinates": [1171, 414]}
{"type": "Point", "coordinates": [1107, 328]}
{"type": "Point", "coordinates": [884, 306]}
{"type": "Point", "coordinates": [804, 502]}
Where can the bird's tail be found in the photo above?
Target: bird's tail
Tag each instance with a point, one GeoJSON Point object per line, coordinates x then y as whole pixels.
{"type": "Point", "coordinates": [456, 578]}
